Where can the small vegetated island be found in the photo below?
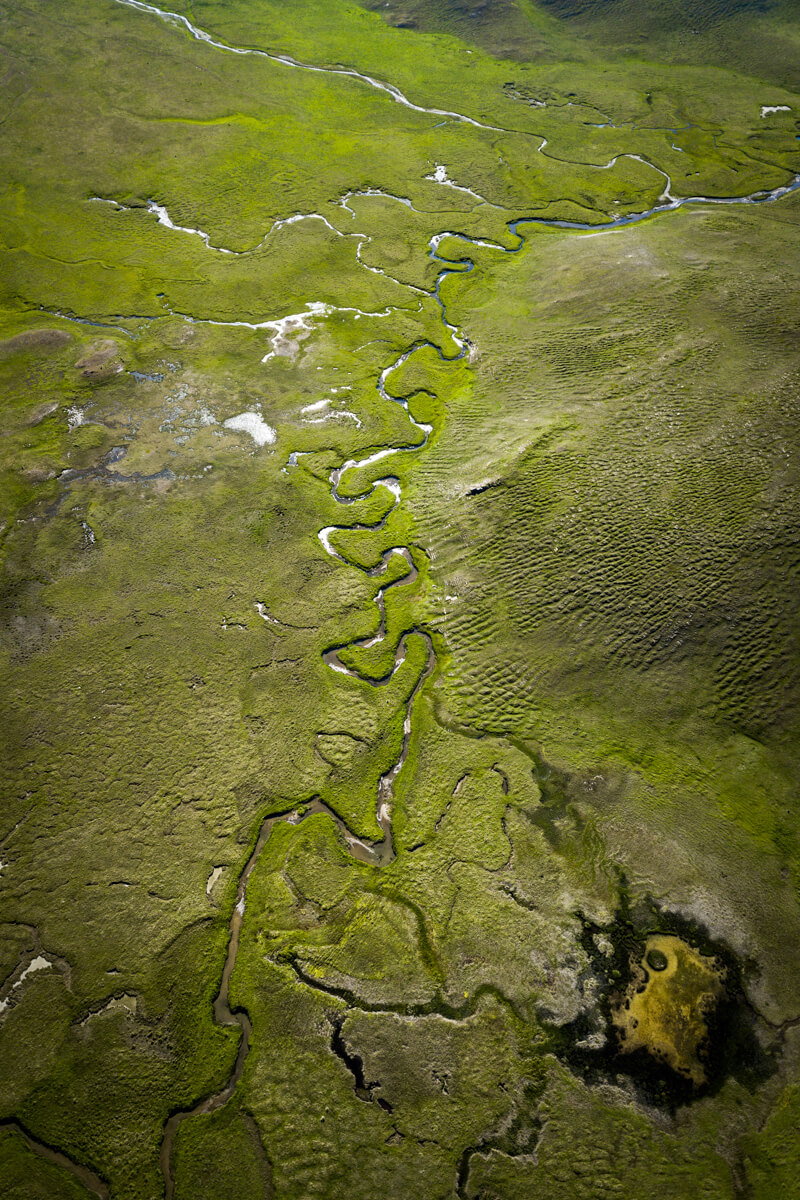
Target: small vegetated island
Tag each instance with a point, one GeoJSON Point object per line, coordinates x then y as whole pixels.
{"type": "Point", "coordinates": [400, 551]}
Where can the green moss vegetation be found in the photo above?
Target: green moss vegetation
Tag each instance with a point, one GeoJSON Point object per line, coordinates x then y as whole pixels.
{"type": "Point", "coordinates": [366, 530]}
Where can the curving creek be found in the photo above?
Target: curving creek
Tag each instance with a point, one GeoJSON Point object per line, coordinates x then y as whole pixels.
{"type": "Point", "coordinates": [457, 346]}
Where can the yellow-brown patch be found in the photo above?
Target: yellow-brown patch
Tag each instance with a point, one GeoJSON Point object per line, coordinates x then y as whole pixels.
{"type": "Point", "coordinates": [666, 1007]}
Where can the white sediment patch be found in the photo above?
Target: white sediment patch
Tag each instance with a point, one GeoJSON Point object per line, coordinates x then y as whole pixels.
{"type": "Point", "coordinates": [212, 879]}
{"type": "Point", "coordinates": [439, 175]}
{"type": "Point", "coordinates": [253, 424]}
{"type": "Point", "coordinates": [766, 109]}
{"type": "Point", "coordinates": [40, 963]}
{"type": "Point", "coordinates": [75, 417]}
{"type": "Point", "coordinates": [290, 331]}
{"type": "Point", "coordinates": [261, 609]}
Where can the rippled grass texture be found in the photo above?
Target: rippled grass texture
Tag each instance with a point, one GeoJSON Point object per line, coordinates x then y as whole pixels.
{"type": "Point", "coordinates": [603, 521]}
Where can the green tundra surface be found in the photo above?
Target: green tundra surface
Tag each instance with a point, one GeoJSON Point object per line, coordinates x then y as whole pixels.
{"type": "Point", "coordinates": [400, 600]}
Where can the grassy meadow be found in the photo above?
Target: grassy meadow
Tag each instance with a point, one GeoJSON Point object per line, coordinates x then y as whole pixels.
{"type": "Point", "coordinates": [580, 705]}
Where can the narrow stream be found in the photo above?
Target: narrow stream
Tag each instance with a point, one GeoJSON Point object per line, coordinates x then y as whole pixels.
{"type": "Point", "coordinates": [223, 1013]}
{"type": "Point", "coordinates": [92, 1182]}
{"type": "Point", "coordinates": [376, 854]}
{"type": "Point", "coordinates": [389, 89]}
